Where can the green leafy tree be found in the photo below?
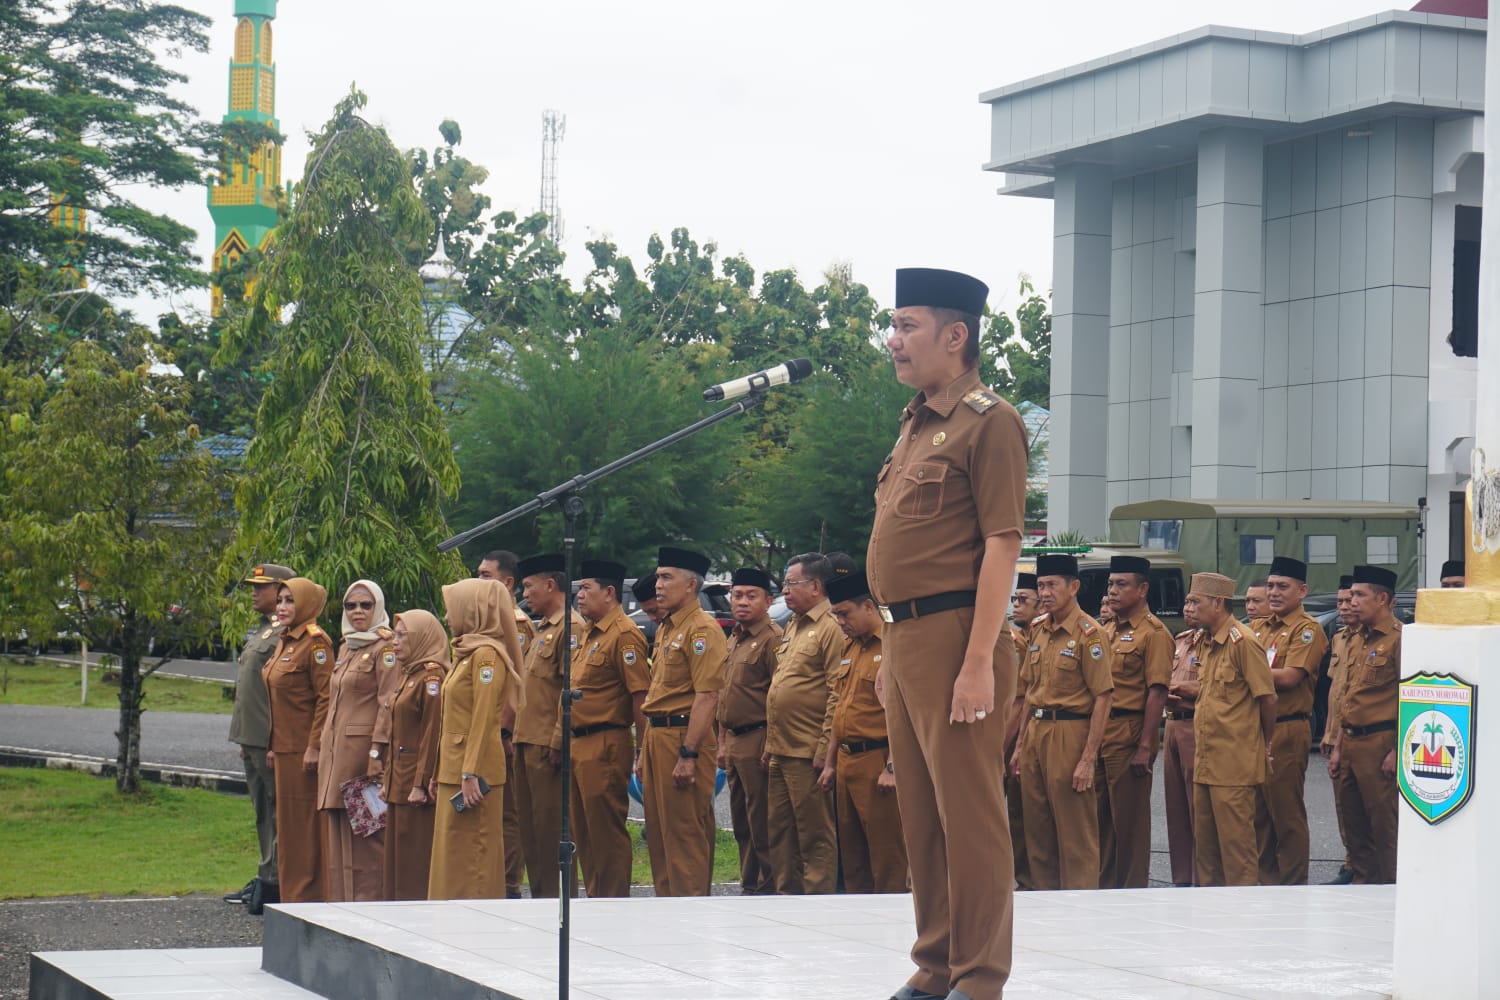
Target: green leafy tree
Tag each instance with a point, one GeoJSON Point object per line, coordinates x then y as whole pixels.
{"type": "Point", "coordinates": [351, 463]}
{"type": "Point", "coordinates": [1016, 352]}
{"type": "Point", "coordinates": [113, 514]}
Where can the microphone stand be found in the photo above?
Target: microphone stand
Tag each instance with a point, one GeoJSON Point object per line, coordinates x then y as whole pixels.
{"type": "Point", "coordinates": [565, 495]}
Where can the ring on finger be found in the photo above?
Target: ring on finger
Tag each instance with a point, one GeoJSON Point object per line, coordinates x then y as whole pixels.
{"type": "Point", "coordinates": [979, 714]}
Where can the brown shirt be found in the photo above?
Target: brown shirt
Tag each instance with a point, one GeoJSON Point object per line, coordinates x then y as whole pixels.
{"type": "Point", "coordinates": [250, 725]}
{"type": "Point", "coordinates": [1294, 641]}
{"type": "Point", "coordinates": [1373, 672]}
{"type": "Point", "coordinates": [413, 719]}
{"type": "Point", "coordinates": [610, 667]}
{"type": "Point", "coordinates": [688, 660]}
{"type": "Point", "coordinates": [542, 682]}
{"type": "Point", "coordinates": [296, 678]}
{"type": "Point", "coordinates": [1140, 657]}
{"type": "Point", "coordinates": [956, 476]}
{"type": "Point", "coordinates": [1184, 667]}
{"type": "Point", "coordinates": [750, 661]}
{"type": "Point", "coordinates": [1020, 637]}
{"type": "Point", "coordinates": [1067, 664]}
{"type": "Point", "coordinates": [804, 694]}
{"type": "Point", "coordinates": [1233, 676]}
{"type": "Point", "coordinates": [1338, 680]}
{"type": "Point", "coordinates": [362, 676]}
{"type": "Point", "coordinates": [859, 717]}
{"type": "Point", "coordinates": [473, 695]}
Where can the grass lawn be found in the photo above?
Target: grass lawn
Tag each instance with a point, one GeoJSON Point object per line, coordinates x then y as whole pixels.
{"type": "Point", "coordinates": [55, 684]}
{"type": "Point", "coordinates": [726, 858]}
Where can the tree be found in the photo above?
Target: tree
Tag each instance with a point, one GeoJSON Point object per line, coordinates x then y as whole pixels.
{"type": "Point", "coordinates": [351, 464]}
{"type": "Point", "coordinates": [1016, 354]}
{"type": "Point", "coordinates": [114, 512]}
{"type": "Point", "coordinates": [87, 118]}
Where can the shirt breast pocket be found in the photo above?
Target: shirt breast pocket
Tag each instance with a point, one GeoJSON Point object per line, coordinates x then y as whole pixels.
{"type": "Point", "coordinates": [1380, 669]}
{"type": "Point", "coordinates": [922, 487]}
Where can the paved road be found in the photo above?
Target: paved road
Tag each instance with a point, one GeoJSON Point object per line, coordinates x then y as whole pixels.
{"type": "Point", "coordinates": [208, 670]}
{"type": "Point", "coordinates": [177, 738]}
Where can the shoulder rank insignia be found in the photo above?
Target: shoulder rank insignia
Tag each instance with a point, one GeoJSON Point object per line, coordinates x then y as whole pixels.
{"type": "Point", "coordinates": [1039, 618]}
{"type": "Point", "coordinates": [313, 629]}
{"type": "Point", "coordinates": [383, 632]}
{"type": "Point", "coordinates": [1234, 633]}
{"type": "Point", "coordinates": [980, 400]}
{"type": "Point", "coordinates": [1087, 627]}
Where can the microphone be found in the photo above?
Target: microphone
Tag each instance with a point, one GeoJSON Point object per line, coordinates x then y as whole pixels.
{"type": "Point", "coordinates": [793, 371]}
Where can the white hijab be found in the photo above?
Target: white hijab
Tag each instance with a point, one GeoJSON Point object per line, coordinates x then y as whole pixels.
{"type": "Point", "coordinates": [378, 617]}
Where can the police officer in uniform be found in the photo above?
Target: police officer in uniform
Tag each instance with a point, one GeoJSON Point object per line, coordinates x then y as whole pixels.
{"type": "Point", "coordinates": [677, 765]}
{"type": "Point", "coordinates": [949, 511]}
{"type": "Point", "coordinates": [1364, 753]}
{"type": "Point", "coordinates": [502, 565]}
{"type": "Point", "coordinates": [1024, 607]}
{"type": "Point", "coordinates": [250, 727]}
{"type": "Point", "coordinates": [1069, 688]}
{"type": "Point", "coordinates": [1294, 643]}
{"type": "Point", "coordinates": [1338, 673]}
{"type": "Point", "coordinates": [750, 660]}
{"type": "Point", "coordinates": [1235, 718]}
{"type": "Point", "coordinates": [1141, 655]}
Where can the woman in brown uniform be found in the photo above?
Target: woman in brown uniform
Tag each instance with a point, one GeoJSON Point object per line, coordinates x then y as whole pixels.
{"type": "Point", "coordinates": [297, 677]}
{"type": "Point", "coordinates": [407, 731]}
{"type": "Point", "coordinates": [363, 673]}
{"type": "Point", "coordinates": [468, 846]}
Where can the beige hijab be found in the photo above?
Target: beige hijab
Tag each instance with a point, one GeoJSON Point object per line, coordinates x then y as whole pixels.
{"type": "Point", "coordinates": [481, 613]}
{"type": "Point", "coordinates": [378, 617]}
{"type": "Point", "coordinates": [426, 641]}
{"type": "Point", "coordinates": [309, 598]}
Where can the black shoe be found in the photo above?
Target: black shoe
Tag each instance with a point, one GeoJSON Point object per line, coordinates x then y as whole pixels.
{"type": "Point", "coordinates": [265, 892]}
{"type": "Point", "coordinates": [1344, 877]}
{"type": "Point", "coordinates": [240, 895]}
{"type": "Point", "coordinates": [910, 992]}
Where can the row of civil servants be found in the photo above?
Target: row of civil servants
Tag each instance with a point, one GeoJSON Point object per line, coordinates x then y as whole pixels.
{"type": "Point", "coordinates": [1237, 700]}
{"type": "Point", "coordinates": [389, 706]}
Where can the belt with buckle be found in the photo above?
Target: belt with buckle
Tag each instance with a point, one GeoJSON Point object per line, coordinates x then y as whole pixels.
{"type": "Point", "coordinates": [1116, 713]}
{"type": "Point", "coordinates": [742, 730]}
{"type": "Point", "coordinates": [591, 730]}
{"type": "Point", "coordinates": [1300, 717]}
{"type": "Point", "coordinates": [667, 721]}
{"type": "Point", "coordinates": [1374, 727]}
{"type": "Point", "coordinates": [951, 601]}
{"type": "Point", "coordinates": [1180, 716]}
{"type": "Point", "coordinates": [1059, 715]}
{"type": "Point", "coordinates": [864, 747]}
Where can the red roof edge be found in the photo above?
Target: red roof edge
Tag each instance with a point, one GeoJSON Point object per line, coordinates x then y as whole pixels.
{"type": "Point", "coordinates": [1455, 8]}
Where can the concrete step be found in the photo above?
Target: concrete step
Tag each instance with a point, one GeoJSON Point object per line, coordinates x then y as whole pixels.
{"type": "Point", "coordinates": [182, 974]}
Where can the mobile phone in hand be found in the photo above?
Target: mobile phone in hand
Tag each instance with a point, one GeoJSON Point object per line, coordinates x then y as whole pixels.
{"type": "Point", "coordinates": [458, 797]}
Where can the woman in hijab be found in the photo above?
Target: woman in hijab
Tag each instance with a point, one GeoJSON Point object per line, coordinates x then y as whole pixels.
{"type": "Point", "coordinates": [409, 725]}
{"type": "Point", "coordinates": [297, 677]}
{"type": "Point", "coordinates": [364, 673]}
{"type": "Point", "coordinates": [468, 846]}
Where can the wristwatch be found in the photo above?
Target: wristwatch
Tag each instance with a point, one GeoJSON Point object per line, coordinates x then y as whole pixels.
{"type": "Point", "coordinates": [890, 767]}
{"type": "Point", "coordinates": [374, 754]}
{"type": "Point", "coordinates": [687, 754]}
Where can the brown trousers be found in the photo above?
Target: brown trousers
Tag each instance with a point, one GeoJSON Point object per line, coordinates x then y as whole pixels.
{"type": "Point", "coordinates": [871, 846]}
{"type": "Point", "coordinates": [800, 828]}
{"type": "Point", "coordinates": [299, 833]}
{"type": "Point", "coordinates": [1124, 807]}
{"type": "Point", "coordinates": [468, 848]}
{"type": "Point", "coordinates": [515, 860]}
{"type": "Point", "coordinates": [679, 821]}
{"type": "Point", "coordinates": [1015, 813]}
{"type": "Point", "coordinates": [1178, 746]}
{"type": "Point", "coordinates": [1369, 806]}
{"type": "Point", "coordinates": [538, 793]}
{"type": "Point", "coordinates": [354, 866]}
{"type": "Point", "coordinates": [601, 777]}
{"type": "Point", "coordinates": [408, 850]}
{"type": "Point", "coordinates": [1224, 823]}
{"type": "Point", "coordinates": [747, 808]}
{"type": "Point", "coordinates": [1281, 812]}
{"type": "Point", "coordinates": [950, 785]}
{"type": "Point", "coordinates": [1062, 826]}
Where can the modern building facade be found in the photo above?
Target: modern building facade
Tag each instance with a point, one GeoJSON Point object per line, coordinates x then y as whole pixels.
{"type": "Point", "coordinates": [1264, 264]}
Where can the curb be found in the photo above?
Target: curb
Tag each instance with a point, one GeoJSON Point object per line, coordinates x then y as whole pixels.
{"type": "Point", "coordinates": [176, 775]}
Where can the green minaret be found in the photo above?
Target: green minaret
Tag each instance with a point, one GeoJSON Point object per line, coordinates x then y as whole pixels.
{"type": "Point", "coordinates": [243, 198]}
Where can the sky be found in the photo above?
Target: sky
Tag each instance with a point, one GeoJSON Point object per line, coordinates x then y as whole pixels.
{"type": "Point", "coordinates": [799, 134]}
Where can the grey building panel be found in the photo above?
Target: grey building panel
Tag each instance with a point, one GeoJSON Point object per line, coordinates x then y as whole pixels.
{"type": "Point", "coordinates": [1160, 445]}
{"type": "Point", "coordinates": [1278, 318]}
{"type": "Point", "coordinates": [1304, 255]}
{"type": "Point", "coordinates": [1164, 207]}
{"type": "Point", "coordinates": [1143, 211]}
{"type": "Point", "coordinates": [1278, 266]}
{"type": "Point", "coordinates": [1354, 184]}
{"type": "Point", "coordinates": [1414, 157]}
{"type": "Point", "coordinates": [1122, 226]}
{"type": "Point", "coordinates": [1141, 263]}
{"type": "Point", "coordinates": [1351, 423]}
{"type": "Point", "coordinates": [1182, 340]}
{"type": "Point", "coordinates": [1304, 196]}
{"type": "Point", "coordinates": [1118, 493]}
{"type": "Point", "coordinates": [1127, 88]}
{"type": "Point", "coordinates": [1020, 123]}
{"type": "Point", "coordinates": [1370, 68]}
{"type": "Point", "coordinates": [1077, 342]}
{"type": "Point", "coordinates": [1117, 459]}
{"type": "Point", "coordinates": [1182, 448]}
{"type": "Point", "coordinates": [1409, 430]}
{"type": "Point", "coordinates": [1377, 417]}
{"type": "Point", "coordinates": [1377, 345]}
{"type": "Point", "coordinates": [1324, 428]}
{"type": "Point", "coordinates": [1079, 281]}
{"type": "Point", "coordinates": [1323, 483]}
{"type": "Point", "coordinates": [1277, 200]}
{"type": "Point", "coordinates": [1105, 122]}
{"type": "Point", "coordinates": [1174, 83]}
{"type": "Point", "coordinates": [1139, 362]}
{"type": "Point", "coordinates": [1327, 241]}
{"type": "Point", "coordinates": [1438, 77]}
{"type": "Point", "coordinates": [1330, 169]}
{"type": "Point", "coordinates": [1062, 111]}
{"type": "Point", "coordinates": [1308, 77]}
{"type": "Point", "coordinates": [1403, 61]}
{"type": "Point", "coordinates": [1410, 322]}
{"type": "Point", "coordinates": [1273, 435]}
{"type": "Point", "coordinates": [1000, 126]}
{"type": "Point", "coordinates": [1230, 87]}
{"type": "Point", "coordinates": [1413, 241]}
{"type": "Point", "coordinates": [1407, 481]}
{"type": "Point", "coordinates": [1471, 69]}
{"type": "Point", "coordinates": [1325, 338]}
{"type": "Point", "coordinates": [1351, 363]}
{"type": "Point", "coordinates": [1163, 272]}
{"type": "Point", "coordinates": [1272, 484]}
{"type": "Point", "coordinates": [1139, 438]}
{"type": "Point", "coordinates": [1380, 242]}
{"type": "Point", "coordinates": [1041, 119]}
{"type": "Point", "coordinates": [1352, 229]}
{"type": "Point", "coordinates": [1268, 73]}
{"type": "Point", "coordinates": [1381, 171]}
{"type": "Point", "coordinates": [1200, 78]}
{"type": "Point", "coordinates": [1301, 341]}
{"type": "Point", "coordinates": [1299, 419]}
{"type": "Point", "coordinates": [1377, 483]}
{"type": "Point", "coordinates": [1343, 73]}
{"type": "Point", "coordinates": [1241, 257]}
{"type": "Point", "coordinates": [1151, 107]}
{"type": "Point", "coordinates": [1159, 362]}
{"type": "Point", "coordinates": [1351, 484]}
{"type": "Point", "coordinates": [1298, 485]}
{"type": "Point", "coordinates": [1120, 283]}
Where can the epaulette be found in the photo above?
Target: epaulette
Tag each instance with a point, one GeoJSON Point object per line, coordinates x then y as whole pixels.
{"type": "Point", "coordinates": [521, 615]}
{"type": "Point", "coordinates": [314, 630]}
{"type": "Point", "coordinates": [1234, 633]}
{"type": "Point", "coordinates": [1040, 618]}
{"type": "Point", "coordinates": [980, 400]}
{"type": "Point", "coordinates": [1087, 626]}
{"type": "Point", "coordinates": [384, 632]}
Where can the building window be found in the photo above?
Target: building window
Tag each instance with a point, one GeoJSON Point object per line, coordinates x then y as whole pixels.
{"type": "Point", "coordinates": [1465, 336]}
{"type": "Point", "coordinates": [1321, 549]}
{"type": "Point", "coordinates": [1166, 593]}
{"type": "Point", "coordinates": [1161, 534]}
{"type": "Point", "coordinates": [1380, 550]}
{"type": "Point", "coordinates": [1257, 550]}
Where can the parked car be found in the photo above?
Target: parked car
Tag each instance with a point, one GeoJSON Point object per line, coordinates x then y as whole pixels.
{"type": "Point", "coordinates": [714, 598]}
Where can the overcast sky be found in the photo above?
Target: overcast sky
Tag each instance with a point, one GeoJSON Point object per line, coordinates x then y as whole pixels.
{"type": "Point", "coordinates": [796, 133]}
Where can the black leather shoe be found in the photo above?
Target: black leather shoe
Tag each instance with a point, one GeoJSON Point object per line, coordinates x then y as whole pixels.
{"type": "Point", "coordinates": [909, 992]}
{"type": "Point", "coordinates": [1344, 877]}
{"type": "Point", "coordinates": [265, 892]}
{"type": "Point", "coordinates": [240, 895]}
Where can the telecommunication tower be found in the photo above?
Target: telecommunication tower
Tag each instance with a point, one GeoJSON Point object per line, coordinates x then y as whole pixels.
{"type": "Point", "coordinates": [554, 124]}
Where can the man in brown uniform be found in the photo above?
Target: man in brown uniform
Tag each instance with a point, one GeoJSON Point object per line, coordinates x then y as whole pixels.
{"type": "Point", "coordinates": [644, 590]}
{"type": "Point", "coordinates": [949, 511]}
{"type": "Point", "coordinates": [1178, 748]}
{"type": "Point", "coordinates": [1257, 602]}
{"type": "Point", "coordinates": [537, 780]}
{"type": "Point", "coordinates": [250, 727]}
{"type": "Point", "coordinates": [1233, 724]}
{"type": "Point", "coordinates": [1364, 752]}
{"type": "Point", "coordinates": [611, 673]}
{"type": "Point", "coordinates": [677, 766]}
{"type": "Point", "coordinates": [1069, 688]}
{"type": "Point", "coordinates": [871, 846]}
{"type": "Point", "coordinates": [1024, 607]}
{"type": "Point", "coordinates": [1452, 575]}
{"type": "Point", "coordinates": [501, 565]}
{"type": "Point", "coordinates": [749, 662]}
{"type": "Point", "coordinates": [799, 735]}
{"type": "Point", "coordinates": [1141, 661]}
{"type": "Point", "coordinates": [1294, 643]}
{"type": "Point", "coordinates": [1338, 674]}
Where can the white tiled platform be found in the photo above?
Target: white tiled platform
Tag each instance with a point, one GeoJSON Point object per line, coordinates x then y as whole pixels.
{"type": "Point", "coordinates": [1153, 944]}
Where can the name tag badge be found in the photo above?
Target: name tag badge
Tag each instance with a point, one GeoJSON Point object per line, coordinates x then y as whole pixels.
{"type": "Point", "coordinates": [1127, 637]}
{"type": "Point", "coordinates": [1070, 654]}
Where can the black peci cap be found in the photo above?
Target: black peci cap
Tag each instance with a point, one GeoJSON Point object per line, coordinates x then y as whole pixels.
{"type": "Point", "coordinates": [1345, 582]}
{"type": "Point", "coordinates": [1287, 566]}
{"type": "Point", "coordinates": [1056, 564]}
{"type": "Point", "coordinates": [1453, 567]}
{"type": "Point", "coordinates": [547, 562]}
{"type": "Point", "coordinates": [604, 569]}
{"type": "Point", "coordinates": [1025, 581]}
{"type": "Point", "coordinates": [749, 576]}
{"type": "Point", "coordinates": [1130, 564]}
{"type": "Point", "coordinates": [848, 588]}
{"type": "Point", "coordinates": [934, 287]}
{"type": "Point", "coordinates": [1375, 576]}
{"type": "Point", "coordinates": [693, 562]}
{"type": "Point", "coordinates": [644, 588]}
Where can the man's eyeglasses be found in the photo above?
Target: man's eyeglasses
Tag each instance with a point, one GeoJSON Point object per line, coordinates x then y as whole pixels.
{"type": "Point", "coordinates": [794, 583]}
{"type": "Point", "coordinates": [359, 605]}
